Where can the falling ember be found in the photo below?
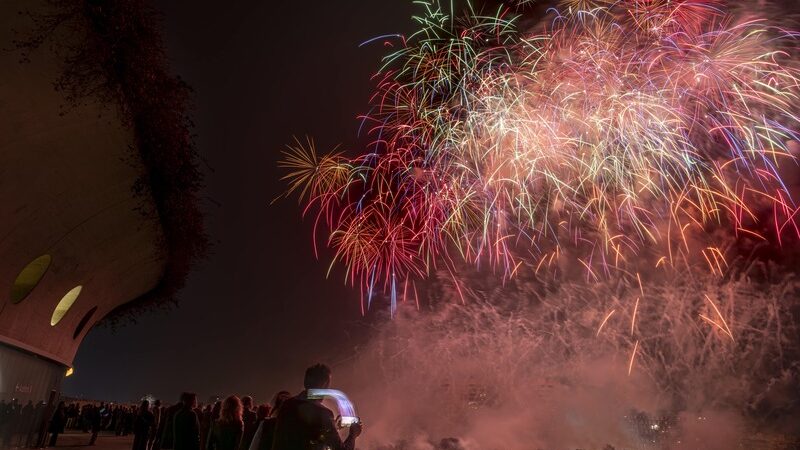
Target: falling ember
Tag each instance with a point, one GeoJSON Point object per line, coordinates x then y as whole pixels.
{"type": "Point", "coordinates": [633, 317]}
{"type": "Point", "coordinates": [633, 357]}
{"type": "Point", "coordinates": [641, 288]}
{"type": "Point", "coordinates": [726, 328]}
{"type": "Point", "coordinates": [600, 328]}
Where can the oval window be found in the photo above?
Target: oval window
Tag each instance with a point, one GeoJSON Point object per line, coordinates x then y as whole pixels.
{"type": "Point", "coordinates": [29, 277]}
{"type": "Point", "coordinates": [65, 304]}
{"type": "Point", "coordinates": [83, 322]}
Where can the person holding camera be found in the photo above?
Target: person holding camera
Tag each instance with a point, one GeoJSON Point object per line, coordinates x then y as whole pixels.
{"type": "Point", "coordinates": [306, 424]}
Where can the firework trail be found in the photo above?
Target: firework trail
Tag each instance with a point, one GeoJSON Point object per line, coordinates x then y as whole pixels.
{"type": "Point", "coordinates": [612, 136]}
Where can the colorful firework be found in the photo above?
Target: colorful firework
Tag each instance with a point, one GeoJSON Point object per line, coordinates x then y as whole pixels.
{"type": "Point", "coordinates": [610, 134]}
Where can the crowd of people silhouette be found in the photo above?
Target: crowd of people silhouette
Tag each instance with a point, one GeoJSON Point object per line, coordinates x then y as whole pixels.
{"type": "Point", "coordinates": [286, 423]}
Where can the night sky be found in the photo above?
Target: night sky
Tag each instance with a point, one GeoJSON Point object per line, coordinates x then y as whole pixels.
{"type": "Point", "coordinates": [259, 309]}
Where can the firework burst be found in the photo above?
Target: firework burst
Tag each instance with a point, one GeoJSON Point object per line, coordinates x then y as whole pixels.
{"type": "Point", "coordinates": [612, 133]}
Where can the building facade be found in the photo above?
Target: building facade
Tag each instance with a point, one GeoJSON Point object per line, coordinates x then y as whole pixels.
{"type": "Point", "coordinates": [82, 234]}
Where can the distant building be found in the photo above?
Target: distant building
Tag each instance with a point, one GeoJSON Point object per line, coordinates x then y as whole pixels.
{"type": "Point", "coordinates": [98, 181]}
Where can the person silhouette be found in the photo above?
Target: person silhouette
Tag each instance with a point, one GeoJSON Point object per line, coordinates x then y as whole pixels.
{"type": "Point", "coordinates": [305, 424]}
{"type": "Point", "coordinates": [226, 432]}
{"type": "Point", "coordinates": [57, 423]}
{"type": "Point", "coordinates": [186, 427]}
{"type": "Point", "coordinates": [143, 426]}
{"type": "Point", "coordinates": [250, 419]}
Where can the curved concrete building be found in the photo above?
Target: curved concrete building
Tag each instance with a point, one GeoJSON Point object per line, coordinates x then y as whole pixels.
{"type": "Point", "coordinates": [82, 231]}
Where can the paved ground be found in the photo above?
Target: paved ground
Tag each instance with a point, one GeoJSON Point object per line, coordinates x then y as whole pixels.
{"type": "Point", "coordinates": [108, 441]}
{"type": "Point", "coordinates": [104, 442]}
